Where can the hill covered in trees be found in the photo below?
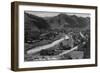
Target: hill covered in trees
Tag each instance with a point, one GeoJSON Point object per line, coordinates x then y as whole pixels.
{"type": "Point", "coordinates": [35, 25]}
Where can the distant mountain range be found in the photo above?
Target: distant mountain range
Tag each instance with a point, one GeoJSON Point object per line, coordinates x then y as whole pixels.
{"type": "Point", "coordinates": [61, 20]}
{"type": "Point", "coordinates": [37, 25]}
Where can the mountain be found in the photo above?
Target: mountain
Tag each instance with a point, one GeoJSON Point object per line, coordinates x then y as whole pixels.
{"type": "Point", "coordinates": [67, 21]}
{"type": "Point", "coordinates": [35, 25]}
{"type": "Point", "coordinates": [39, 22]}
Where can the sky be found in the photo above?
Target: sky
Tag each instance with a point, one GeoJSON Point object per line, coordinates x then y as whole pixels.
{"type": "Point", "coordinates": [51, 14]}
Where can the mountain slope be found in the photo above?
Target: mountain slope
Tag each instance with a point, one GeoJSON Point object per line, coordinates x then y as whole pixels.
{"type": "Point", "coordinates": [35, 25]}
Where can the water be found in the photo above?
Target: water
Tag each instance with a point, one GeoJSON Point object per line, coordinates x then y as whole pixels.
{"type": "Point", "coordinates": [37, 49]}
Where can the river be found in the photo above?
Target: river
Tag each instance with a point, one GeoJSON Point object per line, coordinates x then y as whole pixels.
{"type": "Point", "coordinates": [39, 48]}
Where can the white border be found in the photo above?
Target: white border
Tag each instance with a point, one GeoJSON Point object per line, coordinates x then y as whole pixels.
{"type": "Point", "coordinates": [23, 64]}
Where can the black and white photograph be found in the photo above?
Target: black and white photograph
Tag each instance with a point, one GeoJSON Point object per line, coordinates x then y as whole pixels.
{"type": "Point", "coordinates": [53, 36]}
{"type": "Point", "coordinates": [56, 36]}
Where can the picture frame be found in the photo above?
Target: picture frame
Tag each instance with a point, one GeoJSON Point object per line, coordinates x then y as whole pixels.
{"type": "Point", "coordinates": [38, 31]}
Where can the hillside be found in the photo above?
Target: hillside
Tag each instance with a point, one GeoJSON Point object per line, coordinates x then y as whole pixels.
{"type": "Point", "coordinates": [39, 25]}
